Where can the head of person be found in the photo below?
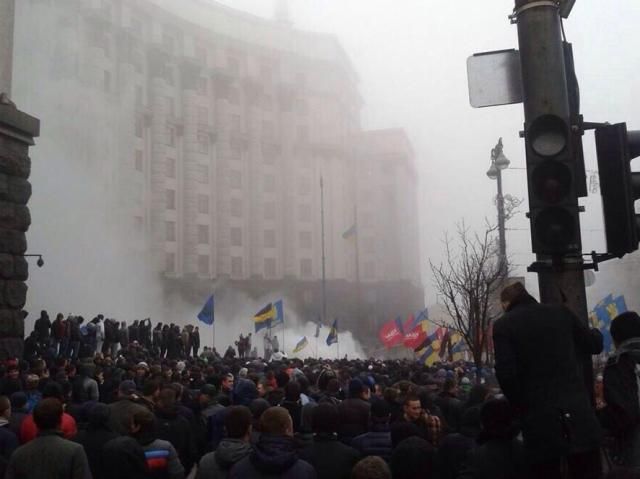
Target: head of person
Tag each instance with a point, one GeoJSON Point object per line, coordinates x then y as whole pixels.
{"type": "Point", "coordinates": [496, 417]}
{"type": "Point", "coordinates": [98, 416]}
{"type": "Point", "coordinates": [151, 390]}
{"type": "Point", "coordinates": [413, 458]}
{"type": "Point", "coordinates": [208, 393]}
{"type": "Point", "coordinates": [127, 389]}
{"type": "Point", "coordinates": [48, 414]}
{"type": "Point", "coordinates": [513, 294]}
{"type": "Point", "coordinates": [402, 430]}
{"type": "Point", "coordinates": [18, 400]}
{"type": "Point", "coordinates": [372, 467]}
{"type": "Point", "coordinates": [5, 407]}
{"type": "Point", "coordinates": [380, 412]}
{"type": "Point", "coordinates": [625, 326]}
{"type": "Point", "coordinates": [227, 382]}
{"type": "Point", "coordinates": [167, 399]}
{"type": "Point", "coordinates": [237, 423]}
{"type": "Point", "coordinates": [142, 423]}
{"type": "Point", "coordinates": [357, 389]}
{"type": "Point", "coordinates": [412, 407]}
{"type": "Point", "coordinates": [276, 421]}
{"type": "Point", "coordinates": [325, 418]}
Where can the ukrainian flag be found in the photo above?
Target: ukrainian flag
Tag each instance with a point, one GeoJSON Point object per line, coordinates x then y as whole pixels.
{"type": "Point", "coordinates": [301, 344]}
{"type": "Point", "coordinates": [263, 318]}
{"type": "Point", "coordinates": [332, 338]}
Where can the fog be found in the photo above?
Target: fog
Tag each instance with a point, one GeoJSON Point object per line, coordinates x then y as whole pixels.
{"type": "Point", "coordinates": [410, 57]}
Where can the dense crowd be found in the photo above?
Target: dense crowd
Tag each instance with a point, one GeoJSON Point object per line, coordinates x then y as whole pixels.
{"type": "Point", "coordinates": [144, 410]}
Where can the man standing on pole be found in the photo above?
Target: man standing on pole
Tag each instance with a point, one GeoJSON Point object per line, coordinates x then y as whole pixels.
{"type": "Point", "coordinates": [538, 350]}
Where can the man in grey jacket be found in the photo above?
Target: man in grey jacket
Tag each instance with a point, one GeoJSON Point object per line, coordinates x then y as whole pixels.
{"type": "Point", "coordinates": [49, 456]}
{"type": "Point", "coordinates": [234, 447]}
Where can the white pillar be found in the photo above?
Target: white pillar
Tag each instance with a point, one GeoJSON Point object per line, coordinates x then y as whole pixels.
{"type": "Point", "coordinates": [7, 17]}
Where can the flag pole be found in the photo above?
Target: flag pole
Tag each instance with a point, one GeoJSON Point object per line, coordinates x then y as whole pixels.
{"type": "Point", "coordinates": [213, 321]}
{"type": "Point", "coordinates": [324, 277]}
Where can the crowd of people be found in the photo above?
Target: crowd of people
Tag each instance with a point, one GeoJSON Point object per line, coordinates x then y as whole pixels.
{"type": "Point", "coordinates": [135, 412]}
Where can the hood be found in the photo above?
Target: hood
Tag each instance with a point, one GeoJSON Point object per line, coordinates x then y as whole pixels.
{"type": "Point", "coordinates": [274, 454]}
{"type": "Point", "coordinates": [231, 451]}
{"type": "Point", "coordinates": [630, 347]}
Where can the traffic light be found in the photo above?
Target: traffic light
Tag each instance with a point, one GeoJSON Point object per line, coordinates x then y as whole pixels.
{"type": "Point", "coordinates": [619, 187]}
{"type": "Point", "coordinates": [553, 196]}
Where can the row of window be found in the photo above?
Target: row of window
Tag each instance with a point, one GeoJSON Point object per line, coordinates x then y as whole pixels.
{"type": "Point", "coordinates": [306, 266]}
{"type": "Point", "coordinates": [269, 236]}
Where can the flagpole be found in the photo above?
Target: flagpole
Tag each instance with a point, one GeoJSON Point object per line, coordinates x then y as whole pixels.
{"type": "Point", "coordinates": [213, 321]}
{"type": "Point", "coordinates": [324, 277]}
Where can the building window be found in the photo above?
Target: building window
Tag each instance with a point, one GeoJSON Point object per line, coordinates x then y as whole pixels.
{"type": "Point", "coordinates": [301, 107]}
{"type": "Point", "coordinates": [139, 126]}
{"type": "Point", "coordinates": [203, 204]}
{"type": "Point", "coordinates": [171, 230]}
{"type": "Point", "coordinates": [304, 185]}
{"type": "Point", "coordinates": [203, 265]}
{"type": "Point", "coordinates": [139, 96]}
{"type": "Point", "coordinates": [305, 239]}
{"type": "Point", "coordinates": [304, 212]}
{"type": "Point", "coordinates": [369, 270]}
{"type": "Point", "coordinates": [236, 236]}
{"type": "Point", "coordinates": [171, 262]}
{"type": "Point", "coordinates": [267, 130]}
{"type": "Point", "coordinates": [236, 207]}
{"type": "Point", "coordinates": [269, 267]}
{"type": "Point", "coordinates": [171, 136]}
{"type": "Point", "coordinates": [203, 86]}
{"type": "Point", "coordinates": [203, 143]}
{"type": "Point", "coordinates": [235, 179]}
{"type": "Point", "coordinates": [368, 245]}
{"type": "Point", "coordinates": [203, 115]}
{"type": "Point", "coordinates": [203, 174]}
{"type": "Point", "coordinates": [203, 234]}
{"type": "Point", "coordinates": [138, 224]}
{"type": "Point", "coordinates": [107, 82]}
{"type": "Point", "coordinates": [269, 210]}
{"type": "Point", "coordinates": [171, 106]}
{"type": "Point", "coordinates": [236, 123]}
{"type": "Point", "coordinates": [233, 64]}
{"type": "Point", "coordinates": [267, 102]}
{"type": "Point", "coordinates": [235, 150]}
{"type": "Point", "coordinates": [169, 42]}
{"type": "Point", "coordinates": [236, 267]}
{"type": "Point", "coordinates": [169, 76]}
{"type": "Point", "coordinates": [269, 238]}
{"type": "Point", "coordinates": [303, 133]}
{"type": "Point", "coordinates": [201, 54]}
{"type": "Point", "coordinates": [138, 161]}
{"type": "Point", "coordinates": [269, 157]}
{"type": "Point", "coordinates": [171, 168]}
{"type": "Point", "coordinates": [171, 199]}
{"type": "Point", "coordinates": [234, 97]}
{"type": "Point", "coordinates": [305, 268]}
{"type": "Point", "coordinates": [269, 184]}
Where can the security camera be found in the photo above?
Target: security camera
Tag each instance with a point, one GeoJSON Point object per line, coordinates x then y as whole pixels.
{"type": "Point", "coordinates": [40, 262]}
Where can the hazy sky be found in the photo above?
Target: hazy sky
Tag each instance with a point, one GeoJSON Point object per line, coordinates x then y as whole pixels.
{"type": "Point", "coordinates": [411, 58]}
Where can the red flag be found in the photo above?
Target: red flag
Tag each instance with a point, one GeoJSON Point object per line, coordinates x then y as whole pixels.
{"type": "Point", "coordinates": [415, 337]}
{"type": "Point", "coordinates": [390, 334]}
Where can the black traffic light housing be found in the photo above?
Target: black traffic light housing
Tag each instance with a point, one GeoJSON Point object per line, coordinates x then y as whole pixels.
{"type": "Point", "coordinates": [619, 187]}
{"type": "Point", "coordinates": [553, 195]}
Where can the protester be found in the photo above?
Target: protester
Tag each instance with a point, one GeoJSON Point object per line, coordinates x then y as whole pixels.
{"type": "Point", "coordinates": [372, 467]}
{"type": "Point", "coordinates": [539, 350]}
{"type": "Point", "coordinates": [94, 438]}
{"type": "Point", "coordinates": [49, 456]}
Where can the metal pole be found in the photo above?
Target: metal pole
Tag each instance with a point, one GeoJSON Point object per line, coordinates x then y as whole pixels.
{"type": "Point", "coordinates": [324, 277]}
{"type": "Point", "coordinates": [544, 83]}
{"type": "Point", "coordinates": [501, 228]}
{"type": "Point", "coordinates": [7, 19]}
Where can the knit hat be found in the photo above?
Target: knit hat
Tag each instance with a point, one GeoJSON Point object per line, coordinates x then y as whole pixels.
{"type": "Point", "coordinates": [355, 387]}
{"type": "Point", "coordinates": [127, 387]}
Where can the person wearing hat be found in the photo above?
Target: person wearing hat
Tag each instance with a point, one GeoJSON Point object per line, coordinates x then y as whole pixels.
{"type": "Point", "coordinates": [124, 408]}
{"type": "Point", "coordinates": [621, 415]}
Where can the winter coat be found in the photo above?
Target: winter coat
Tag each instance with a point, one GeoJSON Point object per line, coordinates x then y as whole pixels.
{"type": "Point", "coordinates": [538, 362]}
{"type": "Point", "coordinates": [162, 460]}
{"type": "Point", "coordinates": [452, 409]}
{"type": "Point", "coordinates": [621, 416]}
{"type": "Point", "coordinates": [176, 429]}
{"type": "Point", "coordinates": [497, 459]}
{"type": "Point", "coordinates": [121, 413]}
{"type": "Point", "coordinates": [274, 457]}
{"type": "Point", "coordinates": [329, 457]}
{"type": "Point", "coordinates": [42, 327]}
{"type": "Point", "coordinates": [93, 440]}
{"type": "Point", "coordinates": [354, 418]}
{"type": "Point", "coordinates": [49, 456]}
{"type": "Point", "coordinates": [124, 459]}
{"type": "Point", "coordinates": [217, 464]}
{"type": "Point", "coordinates": [8, 439]}
{"type": "Point", "coordinates": [377, 442]}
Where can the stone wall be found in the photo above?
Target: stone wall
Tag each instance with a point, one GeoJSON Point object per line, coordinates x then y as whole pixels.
{"type": "Point", "coordinates": [17, 131]}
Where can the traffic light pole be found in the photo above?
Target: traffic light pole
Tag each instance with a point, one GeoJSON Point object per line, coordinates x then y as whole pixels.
{"type": "Point", "coordinates": [545, 92]}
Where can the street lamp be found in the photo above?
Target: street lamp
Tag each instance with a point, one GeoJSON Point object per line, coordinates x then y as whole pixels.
{"type": "Point", "coordinates": [498, 163]}
{"type": "Point", "coordinates": [40, 261]}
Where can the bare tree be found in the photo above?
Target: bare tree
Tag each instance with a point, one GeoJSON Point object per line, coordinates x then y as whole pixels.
{"type": "Point", "coordinates": [468, 282]}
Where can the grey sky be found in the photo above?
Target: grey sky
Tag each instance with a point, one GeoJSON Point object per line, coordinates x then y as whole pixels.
{"type": "Point", "coordinates": [411, 58]}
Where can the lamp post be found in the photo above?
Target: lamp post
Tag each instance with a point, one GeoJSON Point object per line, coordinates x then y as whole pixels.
{"type": "Point", "coordinates": [498, 163]}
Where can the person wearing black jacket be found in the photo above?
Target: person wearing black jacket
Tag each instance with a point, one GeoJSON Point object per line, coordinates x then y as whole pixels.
{"type": "Point", "coordinates": [94, 438]}
{"type": "Point", "coordinates": [174, 428]}
{"type": "Point", "coordinates": [540, 352]}
{"type": "Point", "coordinates": [195, 341]}
{"type": "Point", "coordinates": [621, 415]}
{"type": "Point", "coordinates": [42, 328]}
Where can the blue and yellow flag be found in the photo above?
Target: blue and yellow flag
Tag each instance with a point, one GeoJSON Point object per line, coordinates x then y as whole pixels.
{"type": "Point", "coordinates": [350, 232]}
{"type": "Point", "coordinates": [279, 314]}
{"type": "Point", "coordinates": [333, 333]}
{"type": "Point", "coordinates": [301, 344]}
